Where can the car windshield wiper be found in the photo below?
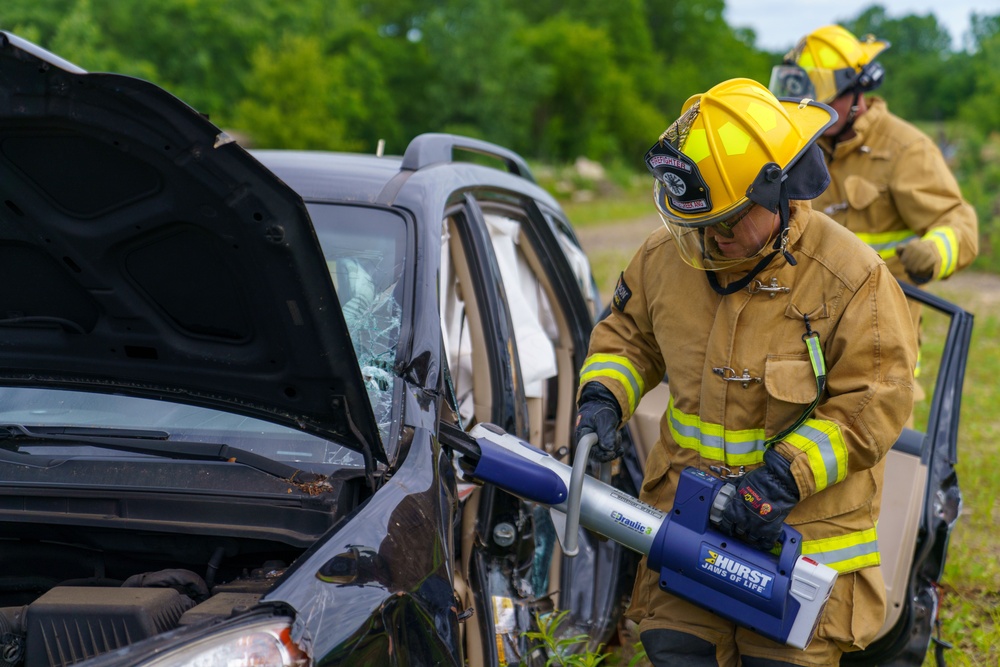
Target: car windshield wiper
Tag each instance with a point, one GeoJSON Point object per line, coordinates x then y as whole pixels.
{"type": "Point", "coordinates": [157, 443]}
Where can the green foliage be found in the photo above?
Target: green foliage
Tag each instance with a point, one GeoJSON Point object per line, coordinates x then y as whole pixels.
{"type": "Point", "coordinates": [977, 167]}
{"type": "Point", "coordinates": [971, 581]}
{"type": "Point", "coordinates": [553, 80]}
{"type": "Point", "coordinates": [562, 651]}
{"type": "Point", "coordinates": [696, 50]}
{"type": "Point", "coordinates": [924, 78]}
{"type": "Point", "coordinates": [980, 108]}
{"type": "Point", "coordinates": [589, 106]}
{"type": "Point", "coordinates": [547, 78]}
{"type": "Point", "coordinates": [295, 69]}
{"type": "Point", "coordinates": [483, 76]}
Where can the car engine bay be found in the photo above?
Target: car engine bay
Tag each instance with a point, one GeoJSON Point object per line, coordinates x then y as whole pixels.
{"type": "Point", "coordinates": [87, 572]}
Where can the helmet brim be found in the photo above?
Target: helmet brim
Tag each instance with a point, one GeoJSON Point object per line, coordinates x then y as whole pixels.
{"type": "Point", "coordinates": [805, 176]}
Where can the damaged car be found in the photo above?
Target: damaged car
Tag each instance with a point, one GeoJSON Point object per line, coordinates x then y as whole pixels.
{"type": "Point", "coordinates": [222, 379]}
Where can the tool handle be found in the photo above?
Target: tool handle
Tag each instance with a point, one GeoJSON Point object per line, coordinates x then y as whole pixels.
{"type": "Point", "coordinates": [580, 459]}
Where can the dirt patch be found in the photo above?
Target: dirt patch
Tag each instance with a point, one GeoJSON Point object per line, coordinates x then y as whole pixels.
{"type": "Point", "coordinates": [624, 236]}
{"type": "Point", "coordinates": [977, 292]}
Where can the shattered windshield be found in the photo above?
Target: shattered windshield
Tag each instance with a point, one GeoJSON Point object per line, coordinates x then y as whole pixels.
{"type": "Point", "coordinates": [365, 249]}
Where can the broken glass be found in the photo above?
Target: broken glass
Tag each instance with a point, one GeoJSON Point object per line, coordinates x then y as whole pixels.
{"type": "Point", "coordinates": [364, 249]}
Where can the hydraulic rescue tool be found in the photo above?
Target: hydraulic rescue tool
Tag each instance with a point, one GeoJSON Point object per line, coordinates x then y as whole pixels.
{"type": "Point", "coordinates": [780, 595]}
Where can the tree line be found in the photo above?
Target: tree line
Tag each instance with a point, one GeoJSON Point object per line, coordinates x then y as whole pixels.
{"type": "Point", "coordinates": [551, 79]}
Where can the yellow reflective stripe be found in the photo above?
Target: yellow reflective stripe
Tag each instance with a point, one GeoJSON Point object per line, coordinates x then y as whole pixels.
{"type": "Point", "coordinates": [823, 444]}
{"type": "Point", "coordinates": [845, 553]}
{"type": "Point", "coordinates": [816, 356]}
{"type": "Point", "coordinates": [713, 441]}
{"type": "Point", "coordinates": [616, 368]}
{"type": "Point", "coordinates": [946, 242]}
{"type": "Point", "coordinates": [884, 243]}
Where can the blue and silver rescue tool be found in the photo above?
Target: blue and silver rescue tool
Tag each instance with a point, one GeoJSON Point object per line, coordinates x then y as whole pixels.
{"type": "Point", "coordinates": [781, 597]}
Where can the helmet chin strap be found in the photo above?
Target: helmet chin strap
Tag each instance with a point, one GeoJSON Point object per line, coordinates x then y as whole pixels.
{"type": "Point", "coordinates": [779, 246]}
{"type": "Point", "coordinates": [852, 113]}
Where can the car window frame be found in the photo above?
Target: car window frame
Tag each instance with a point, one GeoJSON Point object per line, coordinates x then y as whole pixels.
{"type": "Point", "coordinates": [404, 346]}
{"type": "Point", "coordinates": [470, 224]}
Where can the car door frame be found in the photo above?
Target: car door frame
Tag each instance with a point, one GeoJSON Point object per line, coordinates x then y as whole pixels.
{"type": "Point", "coordinates": [908, 641]}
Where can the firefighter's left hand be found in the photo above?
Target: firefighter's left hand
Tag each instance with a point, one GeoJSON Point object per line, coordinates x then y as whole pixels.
{"type": "Point", "coordinates": [764, 498]}
{"type": "Point", "coordinates": [920, 259]}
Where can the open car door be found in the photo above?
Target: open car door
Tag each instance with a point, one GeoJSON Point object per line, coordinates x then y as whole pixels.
{"type": "Point", "coordinates": [921, 498]}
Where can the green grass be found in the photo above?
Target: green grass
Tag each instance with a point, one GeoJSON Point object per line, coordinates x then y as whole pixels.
{"type": "Point", "coordinates": [601, 211]}
{"type": "Point", "coordinates": [622, 195]}
{"type": "Point", "coordinates": [971, 582]}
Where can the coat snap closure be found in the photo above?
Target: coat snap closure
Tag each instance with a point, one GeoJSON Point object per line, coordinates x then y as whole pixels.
{"type": "Point", "coordinates": [729, 375]}
{"type": "Point", "coordinates": [772, 289]}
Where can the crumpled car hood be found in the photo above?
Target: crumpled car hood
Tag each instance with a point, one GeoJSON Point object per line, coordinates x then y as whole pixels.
{"type": "Point", "coordinates": [144, 252]}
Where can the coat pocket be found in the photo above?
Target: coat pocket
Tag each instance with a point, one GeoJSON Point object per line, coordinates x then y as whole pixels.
{"type": "Point", "coordinates": [870, 207]}
{"type": "Point", "coordinates": [791, 387]}
{"type": "Point", "coordinates": [861, 193]}
{"type": "Point", "coordinates": [856, 610]}
{"type": "Point", "coordinates": [856, 493]}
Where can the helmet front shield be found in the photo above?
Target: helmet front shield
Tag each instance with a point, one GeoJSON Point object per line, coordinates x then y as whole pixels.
{"type": "Point", "coordinates": [789, 80]}
{"type": "Point", "coordinates": [835, 61]}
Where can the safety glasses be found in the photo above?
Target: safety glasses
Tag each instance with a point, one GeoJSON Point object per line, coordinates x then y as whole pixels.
{"type": "Point", "coordinates": [725, 228]}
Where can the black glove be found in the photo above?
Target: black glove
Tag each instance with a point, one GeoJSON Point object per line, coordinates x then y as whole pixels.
{"type": "Point", "coordinates": [763, 499]}
{"type": "Point", "coordinates": [599, 413]}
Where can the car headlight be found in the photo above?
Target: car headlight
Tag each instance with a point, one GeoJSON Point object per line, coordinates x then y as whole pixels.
{"type": "Point", "coordinates": [263, 643]}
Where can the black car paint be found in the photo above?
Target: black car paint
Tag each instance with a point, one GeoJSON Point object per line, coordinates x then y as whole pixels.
{"type": "Point", "coordinates": [184, 217]}
{"type": "Point", "coordinates": [427, 196]}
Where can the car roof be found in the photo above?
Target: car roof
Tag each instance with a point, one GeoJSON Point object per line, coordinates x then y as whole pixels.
{"type": "Point", "coordinates": [331, 175]}
{"type": "Point", "coordinates": [337, 176]}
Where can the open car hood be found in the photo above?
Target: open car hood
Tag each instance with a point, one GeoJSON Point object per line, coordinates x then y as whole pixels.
{"type": "Point", "coordinates": [143, 252]}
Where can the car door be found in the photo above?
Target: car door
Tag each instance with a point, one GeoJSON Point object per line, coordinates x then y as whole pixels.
{"type": "Point", "coordinates": [549, 288]}
{"type": "Point", "coordinates": [495, 537]}
{"type": "Point", "coordinates": [921, 498]}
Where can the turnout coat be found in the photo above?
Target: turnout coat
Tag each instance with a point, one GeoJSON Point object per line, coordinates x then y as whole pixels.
{"type": "Point", "coordinates": [890, 185]}
{"type": "Point", "coordinates": [740, 373]}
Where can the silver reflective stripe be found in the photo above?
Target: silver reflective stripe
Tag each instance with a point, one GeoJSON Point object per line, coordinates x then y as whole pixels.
{"type": "Point", "coordinates": [713, 441]}
{"type": "Point", "coordinates": [619, 369]}
{"type": "Point", "coordinates": [614, 366]}
{"type": "Point", "coordinates": [847, 558]}
{"type": "Point", "coordinates": [827, 452]}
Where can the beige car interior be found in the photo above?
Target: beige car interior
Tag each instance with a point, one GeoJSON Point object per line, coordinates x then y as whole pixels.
{"type": "Point", "coordinates": [546, 363]}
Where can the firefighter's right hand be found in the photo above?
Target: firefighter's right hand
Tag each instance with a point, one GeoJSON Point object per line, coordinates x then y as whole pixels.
{"type": "Point", "coordinates": [599, 413]}
{"type": "Point", "coordinates": [921, 260]}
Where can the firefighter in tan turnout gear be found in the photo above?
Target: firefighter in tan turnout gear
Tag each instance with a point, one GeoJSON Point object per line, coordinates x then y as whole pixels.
{"type": "Point", "coordinates": [790, 353]}
{"type": "Point", "coordinates": [890, 184]}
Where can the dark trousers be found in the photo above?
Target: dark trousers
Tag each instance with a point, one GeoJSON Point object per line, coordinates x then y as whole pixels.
{"type": "Point", "coordinates": [670, 648]}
